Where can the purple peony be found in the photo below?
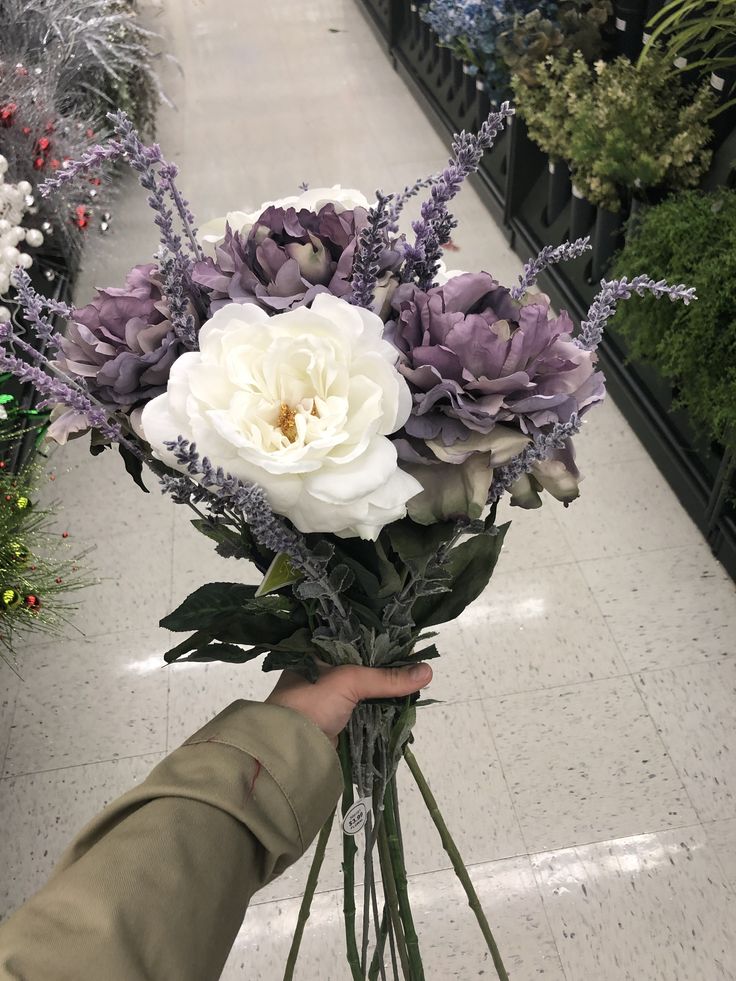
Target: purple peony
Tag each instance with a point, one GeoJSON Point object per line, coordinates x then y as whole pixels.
{"type": "Point", "coordinates": [122, 344]}
{"type": "Point", "coordinates": [486, 372]}
{"type": "Point", "coordinates": [288, 257]}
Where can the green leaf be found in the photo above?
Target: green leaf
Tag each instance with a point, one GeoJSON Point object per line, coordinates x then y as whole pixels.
{"type": "Point", "coordinates": [280, 573]}
{"type": "Point", "coordinates": [470, 566]}
{"type": "Point", "coordinates": [417, 544]}
{"type": "Point", "coordinates": [231, 612]}
{"type": "Point", "coordinates": [402, 731]}
{"type": "Point", "coordinates": [291, 661]}
{"type": "Point", "coordinates": [134, 466]}
{"type": "Point", "coordinates": [229, 653]}
{"type": "Point", "coordinates": [198, 639]}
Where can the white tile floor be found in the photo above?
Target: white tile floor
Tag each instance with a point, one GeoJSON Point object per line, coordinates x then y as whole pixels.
{"type": "Point", "coordinates": [585, 755]}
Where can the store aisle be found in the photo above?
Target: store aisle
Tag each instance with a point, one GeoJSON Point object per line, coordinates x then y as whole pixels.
{"type": "Point", "coordinates": [584, 751]}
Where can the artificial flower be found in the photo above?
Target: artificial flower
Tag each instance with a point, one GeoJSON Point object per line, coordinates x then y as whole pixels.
{"type": "Point", "coordinates": [300, 403]}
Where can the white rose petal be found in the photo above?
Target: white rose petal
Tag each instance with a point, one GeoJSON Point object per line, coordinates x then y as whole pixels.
{"type": "Point", "coordinates": [301, 404]}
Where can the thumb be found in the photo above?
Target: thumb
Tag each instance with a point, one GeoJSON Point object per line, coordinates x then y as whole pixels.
{"type": "Point", "coordinates": [366, 682]}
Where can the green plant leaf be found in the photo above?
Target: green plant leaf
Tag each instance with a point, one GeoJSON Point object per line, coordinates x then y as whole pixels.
{"type": "Point", "coordinates": [134, 466]}
{"type": "Point", "coordinates": [402, 731]}
{"type": "Point", "coordinates": [470, 566]}
{"type": "Point", "coordinates": [417, 544]}
{"type": "Point", "coordinates": [279, 574]}
{"type": "Point", "coordinates": [232, 613]}
{"type": "Point", "coordinates": [199, 639]}
{"type": "Point", "coordinates": [228, 653]}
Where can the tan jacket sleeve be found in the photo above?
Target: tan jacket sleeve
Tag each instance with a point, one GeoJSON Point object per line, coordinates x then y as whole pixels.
{"type": "Point", "coordinates": [156, 887]}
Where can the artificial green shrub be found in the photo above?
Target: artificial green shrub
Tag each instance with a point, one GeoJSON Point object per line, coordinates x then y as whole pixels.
{"type": "Point", "coordinates": [690, 238]}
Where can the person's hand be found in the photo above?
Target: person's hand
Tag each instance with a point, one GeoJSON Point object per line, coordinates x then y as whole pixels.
{"type": "Point", "coordinates": [329, 702]}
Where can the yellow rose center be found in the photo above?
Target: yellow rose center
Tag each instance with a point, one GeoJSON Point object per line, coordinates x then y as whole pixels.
{"type": "Point", "coordinates": [287, 420]}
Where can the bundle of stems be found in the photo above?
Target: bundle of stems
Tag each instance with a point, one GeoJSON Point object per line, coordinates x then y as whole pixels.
{"type": "Point", "coordinates": [395, 952]}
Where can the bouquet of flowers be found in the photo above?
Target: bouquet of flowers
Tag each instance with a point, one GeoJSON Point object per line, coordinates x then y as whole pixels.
{"type": "Point", "coordinates": [337, 409]}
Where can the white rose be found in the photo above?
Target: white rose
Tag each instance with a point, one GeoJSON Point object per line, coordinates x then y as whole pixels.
{"type": "Point", "coordinates": [299, 403]}
{"type": "Point", "coordinates": [444, 275]}
{"type": "Point", "coordinates": [212, 233]}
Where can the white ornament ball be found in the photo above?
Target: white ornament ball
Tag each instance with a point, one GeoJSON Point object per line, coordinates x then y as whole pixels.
{"type": "Point", "coordinates": [4, 315]}
{"type": "Point", "coordinates": [34, 237]}
{"type": "Point", "coordinates": [25, 261]}
{"type": "Point", "coordinates": [10, 255]}
{"type": "Point", "coordinates": [24, 187]}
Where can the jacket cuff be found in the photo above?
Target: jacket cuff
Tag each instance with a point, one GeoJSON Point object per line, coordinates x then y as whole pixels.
{"type": "Point", "coordinates": [297, 755]}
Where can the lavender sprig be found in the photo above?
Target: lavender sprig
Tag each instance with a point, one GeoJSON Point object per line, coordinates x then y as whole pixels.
{"type": "Point", "coordinates": [603, 306]}
{"type": "Point", "coordinates": [56, 390]}
{"type": "Point", "coordinates": [33, 304]}
{"type": "Point", "coordinates": [433, 229]}
{"type": "Point", "coordinates": [402, 197]}
{"type": "Point", "coordinates": [539, 449]}
{"type": "Point", "coordinates": [249, 501]}
{"type": "Point", "coordinates": [549, 256]}
{"type": "Point", "coordinates": [92, 159]}
{"type": "Point", "coordinates": [368, 251]}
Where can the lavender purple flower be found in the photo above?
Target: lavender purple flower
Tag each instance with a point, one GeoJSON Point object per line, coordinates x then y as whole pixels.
{"type": "Point", "coordinates": [366, 261]}
{"type": "Point", "coordinates": [603, 306]}
{"type": "Point", "coordinates": [433, 229]}
{"type": "Point", "coordinates": [549, 256]}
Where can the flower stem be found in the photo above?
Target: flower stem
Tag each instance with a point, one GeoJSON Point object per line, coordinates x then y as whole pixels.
{"type": "Point", "coordinates": [305, 907]}
{"type": "Point", "coordinates": [349, 849]}
{"type": "Point", "coordinates": [457, 862]}
{"type": "Point", "coordinates": [397, 863]}
{"type": "Point", "coordinates": [392, 899]}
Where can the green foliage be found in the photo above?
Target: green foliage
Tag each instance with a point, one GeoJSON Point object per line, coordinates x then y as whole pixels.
{"type": "Point", "coordinates": [622, 128]}
{"type": "Point", "coordinates": [690, 238]}
{"type": "Point", "coordinates": [702, 31]}
{"type": "Point", "coordinates": [579, 25]}
{"type": "Point", "coordinates": [38, 566]}
{"type": "Point", "coordinates": [547, 103]}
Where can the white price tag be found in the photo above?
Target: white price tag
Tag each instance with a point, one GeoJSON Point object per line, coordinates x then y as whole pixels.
{"type": "Point", "coordinates": [355, 819]}
{"type": "Point", "coordinates": [467, 70]}
{"type": "Point", "coordinates": [620, 24]}
{"type": "Point", "coordinates": [680, 62]}
{"type": "Point", "coordinates": [717, 81]}
{"type": "Point", "coordinates": [479, 84]}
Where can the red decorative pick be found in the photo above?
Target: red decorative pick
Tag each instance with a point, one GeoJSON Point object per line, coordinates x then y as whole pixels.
{"type": "Point", "coordinates": [65, 534]}
{"type": "Point", "coordinates": [33, 602]}
{"type": "Point", "coordinates": [7, 112]}
{"type": "Point", "coordinates": [26, 131]}
{"type": "Point", "coordinates": [58, 580]}
{"type": "Point", "coordinates": [39, 163]}
{"type": "Point", "coordinates": [54, 163]}
{"type": "Point", "coordinates": [43, 144]}
{"type": "Point", "coordinates": [2, 464]}
{"type": "Point", "coordinates": [90, 133]}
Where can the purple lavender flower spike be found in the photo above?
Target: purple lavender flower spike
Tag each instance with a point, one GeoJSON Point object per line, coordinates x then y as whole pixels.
{"type": "Point", "coordinates": [433, 229]}
{"type": "Point", "coordinates": [366, 261]}
{"type": "Point", "coordinates": [603, 306]}
{"type": "Point", "coordinates": [543, 447]}
{"type": "Point", "coordinates": [549, 256]}
{"type": "Point", "coordinates": [56, 391]}
{"type": "Point", "coordinates": [409, 192]}
{"type": "Point", "coordinates": [33, 305]}
{"type": "Point", "coordinates": [92, 159]}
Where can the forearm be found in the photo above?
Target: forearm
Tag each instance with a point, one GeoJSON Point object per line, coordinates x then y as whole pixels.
{"type": "Point", "coordinates": [157, 886]}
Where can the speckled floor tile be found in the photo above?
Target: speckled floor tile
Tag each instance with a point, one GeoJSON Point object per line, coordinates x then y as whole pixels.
{"type": "Point", "coordinates": [42, 812]}
{"type": "Point", "coordinates": [606, 438]}
{"type": "Point", "coordinates": [537, 629]}
{"type": "Point", "coordinates": [83, 702]}
{"type": "Point", "coordinates": [668, 607]}
{"type": "Point", "coordinates": [625, 509]}
{"type": "Point", "coordinates": [535, 539]}
{"type": "Point", "coordinates": [693, 708]}
{"type": "Point", "coordinates": [198, 692]}
{"type": "Point", "coordinates": [585, 763]}
{"type": "Point", "coordinates": [722, 837]}
{"type": "Point", "coordinates": [454, 748]}
{"type": "Point", "coordinates": [450, 940]}
{"type": "Point", "coordinates": [9, 684]}
{"type": "Point", "coordinates": [647, 908]}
